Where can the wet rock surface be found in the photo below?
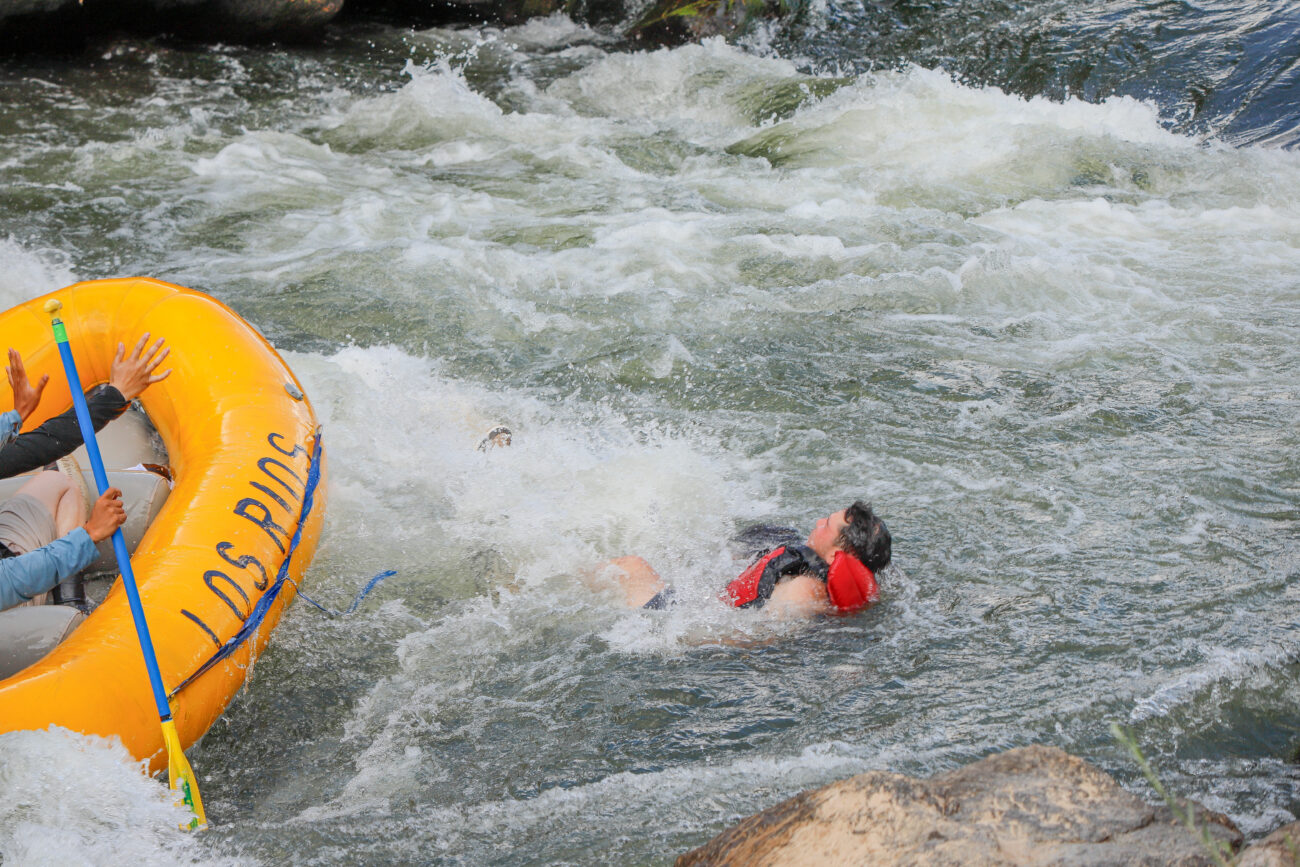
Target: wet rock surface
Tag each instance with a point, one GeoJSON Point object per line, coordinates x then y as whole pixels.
{"type": "Point", "coordinates": [1030, 806]}
{"type": "Point", "coordinates": [35, 24]}
{"type": "Point", "coordinates": [1279, 849]}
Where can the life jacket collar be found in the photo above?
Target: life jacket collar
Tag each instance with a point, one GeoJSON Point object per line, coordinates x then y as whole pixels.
{"type": "Point", "coordinates": [850, 583]}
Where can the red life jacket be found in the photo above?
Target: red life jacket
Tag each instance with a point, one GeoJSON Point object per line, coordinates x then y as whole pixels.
{"type": "Point", "coordinates": [849, 583]}
{"type": "Point", "coordinates": [744, 591]}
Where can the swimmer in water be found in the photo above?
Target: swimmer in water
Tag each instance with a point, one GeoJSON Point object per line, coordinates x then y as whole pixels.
{"type": "Point", "coordinates": [834, 570]}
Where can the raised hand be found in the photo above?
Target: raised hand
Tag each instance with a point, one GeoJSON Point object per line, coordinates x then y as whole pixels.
{"type": "Point", "coordinates": [26, 396]}
{"type": "Point", "coordinates": [132, 374]}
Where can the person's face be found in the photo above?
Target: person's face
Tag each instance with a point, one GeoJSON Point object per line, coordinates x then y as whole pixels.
{"type": "Point", "coordinates": [825, 533]}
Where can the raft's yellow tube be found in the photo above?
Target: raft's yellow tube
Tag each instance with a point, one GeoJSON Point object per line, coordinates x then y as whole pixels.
{"type": "Point", "coordinates": [240, 445]}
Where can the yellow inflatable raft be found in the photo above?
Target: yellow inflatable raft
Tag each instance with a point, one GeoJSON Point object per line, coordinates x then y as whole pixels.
{"type": "Point", "coordinates": [217, 566]}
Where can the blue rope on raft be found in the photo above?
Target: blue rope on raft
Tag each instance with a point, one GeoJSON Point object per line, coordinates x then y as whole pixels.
{"type": "Point", "coordinates": [370, 585]}
{"type": "Point", "coordinates": [264, 604]}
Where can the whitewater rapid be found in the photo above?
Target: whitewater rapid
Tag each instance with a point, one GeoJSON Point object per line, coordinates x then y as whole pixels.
{"type": "Point", "coordinates": [1054, 342]}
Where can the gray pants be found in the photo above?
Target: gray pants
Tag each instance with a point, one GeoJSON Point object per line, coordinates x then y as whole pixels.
{"type": "Point", "coordinates": [25, 525]}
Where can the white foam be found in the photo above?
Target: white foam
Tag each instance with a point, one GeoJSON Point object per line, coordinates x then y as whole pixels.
{"type": "Point", "coordinates": [576, 485]}
{"type": "Point", "coordinates": [695, 83]}
{"type": "Point", "coordinates": [77, 799]}
{"type": "Point", "coordinates": [26, 274]}
{"type": "Point", "coordinates": [923, 122]}
{"type": "Point", "coordinates": [554, 31]}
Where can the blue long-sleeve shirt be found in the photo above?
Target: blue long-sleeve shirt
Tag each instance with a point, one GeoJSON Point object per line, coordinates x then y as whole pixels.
{"type": "Point", "coordinates": [37, 571]}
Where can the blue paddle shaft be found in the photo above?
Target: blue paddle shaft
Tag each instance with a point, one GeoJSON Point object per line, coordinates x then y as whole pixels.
{"type": "Point", "coordinates": [119, 541]}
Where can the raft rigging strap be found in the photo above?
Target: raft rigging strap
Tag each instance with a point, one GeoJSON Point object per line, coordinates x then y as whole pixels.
{"type": "Point", "coordinates": [370, 585]}
{"type": "Point", "coordinates": [258, 614]}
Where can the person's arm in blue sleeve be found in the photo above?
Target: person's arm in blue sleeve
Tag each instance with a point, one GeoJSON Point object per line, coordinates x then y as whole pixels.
{"type": "Point", "coordinates": [35, 572]}
{"type": "Point", "coordinates": [24, 576]}
{"type": "Point", "coordinates": [10, 422]}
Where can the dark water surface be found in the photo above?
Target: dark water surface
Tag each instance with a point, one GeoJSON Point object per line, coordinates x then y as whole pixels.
{"type": "Point", "coordinates": [1229, 68]}
{"type": "Point", "coordinates": [1024, 275]}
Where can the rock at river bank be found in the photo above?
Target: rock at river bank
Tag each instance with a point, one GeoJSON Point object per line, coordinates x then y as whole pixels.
{"type": "Point", "coordinates": [29, 23]}
{"type": "Point", "coordinates": [426, 13]}
{"type": "Point", "coordinates": [1279, 849]}
{"type": "Point", "coordinates": [37, 24]}
{"type": "Point", "coordinates": [1030, 806]}
{"type": "Point", "coordinates": [658, 22]}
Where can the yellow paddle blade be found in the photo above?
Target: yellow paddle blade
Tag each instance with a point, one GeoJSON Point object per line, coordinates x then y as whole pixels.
{"type": "Point", "coordinates": [180, 776]}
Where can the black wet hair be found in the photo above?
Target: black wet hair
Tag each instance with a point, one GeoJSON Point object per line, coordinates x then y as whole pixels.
{"type": "Point", "coordinates": [866, 537]}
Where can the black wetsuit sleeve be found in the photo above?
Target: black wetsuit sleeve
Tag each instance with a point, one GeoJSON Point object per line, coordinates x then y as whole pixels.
{"type": "Point", "coordinates": [59, 436]}
{"type": "Point", "coordinates": [794, 560]}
